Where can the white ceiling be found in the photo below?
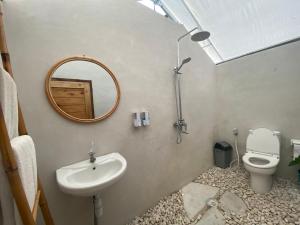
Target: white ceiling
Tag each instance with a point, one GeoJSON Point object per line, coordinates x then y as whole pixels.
{"type": "Point", "coordinates": [238, 27]}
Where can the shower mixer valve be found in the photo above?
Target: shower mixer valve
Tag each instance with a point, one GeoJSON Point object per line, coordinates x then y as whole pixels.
{"type": "Point", "coordinates": [181, 125]}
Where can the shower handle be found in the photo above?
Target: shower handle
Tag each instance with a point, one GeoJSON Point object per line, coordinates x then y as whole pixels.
{"type": "Point", "coordinates": [181, 125]}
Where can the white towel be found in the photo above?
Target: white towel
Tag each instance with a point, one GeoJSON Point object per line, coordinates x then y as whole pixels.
{"type": "Point", "coordinates": [24, 151]}
{"type": "Point", "coordinates": [9, 102]}
{"type": "Point", "coordinates": [9, 105]}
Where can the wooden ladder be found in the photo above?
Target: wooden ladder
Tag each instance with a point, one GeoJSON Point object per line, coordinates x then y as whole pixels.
{"type": "Point", "coordinates": [27, 215]}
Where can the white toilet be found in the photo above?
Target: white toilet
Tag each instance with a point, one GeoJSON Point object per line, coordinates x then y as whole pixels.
{"type": "Point", "coordinates": [261, 158]}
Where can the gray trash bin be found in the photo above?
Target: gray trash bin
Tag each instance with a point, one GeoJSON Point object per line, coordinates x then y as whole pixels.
{"type": "Point", "coordinates": [222, 154]}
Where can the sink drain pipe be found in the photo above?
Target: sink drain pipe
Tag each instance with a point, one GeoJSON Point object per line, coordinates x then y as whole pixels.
{"type": "Point", "coordinates": [98, 208]}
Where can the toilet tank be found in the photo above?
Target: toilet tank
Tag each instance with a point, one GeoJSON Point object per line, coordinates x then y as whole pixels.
{"type": "Point", "coordinates": [263, 140]}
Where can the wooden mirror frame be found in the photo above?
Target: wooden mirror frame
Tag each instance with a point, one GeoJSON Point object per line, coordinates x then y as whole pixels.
{"type": "Point", "coordinates": [63, 113]}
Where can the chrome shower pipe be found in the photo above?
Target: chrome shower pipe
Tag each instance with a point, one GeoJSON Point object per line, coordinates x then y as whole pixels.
{"type": "Point", "coordinates": [180, 124]}
{"type": "Point", "coordinates": [177, 73]}
{"type": "Point", "coordinates": [178, 45]}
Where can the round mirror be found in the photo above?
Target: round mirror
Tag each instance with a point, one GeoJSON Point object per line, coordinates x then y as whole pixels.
{"type": "Point", "coordinates": [82, 89]}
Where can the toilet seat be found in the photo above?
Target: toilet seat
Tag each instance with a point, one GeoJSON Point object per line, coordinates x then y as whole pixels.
{"type": "Point", "coordinates": [272, 160]}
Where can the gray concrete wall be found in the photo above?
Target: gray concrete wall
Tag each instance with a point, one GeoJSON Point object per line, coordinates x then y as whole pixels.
{"type": "Point", "coordinates": [140, 48]}
{"type": "Point", "coordinates": [261, 90]}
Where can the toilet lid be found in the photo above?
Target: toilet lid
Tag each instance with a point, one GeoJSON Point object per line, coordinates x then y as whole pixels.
{"type": "Point", "coordinates": [263, 140]}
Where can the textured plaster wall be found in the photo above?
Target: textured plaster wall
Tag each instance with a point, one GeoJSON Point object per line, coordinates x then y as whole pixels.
{"type": "Point", "coordinates": [140, 49]}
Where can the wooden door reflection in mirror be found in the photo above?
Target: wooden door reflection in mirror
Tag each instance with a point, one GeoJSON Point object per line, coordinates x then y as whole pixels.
{"type": "Point", "coordinates": [74, 96]}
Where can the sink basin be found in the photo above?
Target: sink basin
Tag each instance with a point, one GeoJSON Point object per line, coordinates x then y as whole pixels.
{"type": "Point", "coordinates": [87, 179]}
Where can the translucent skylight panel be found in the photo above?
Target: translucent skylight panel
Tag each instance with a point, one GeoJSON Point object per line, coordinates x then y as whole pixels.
{"type": "Point", "coordinates": [150, 4]}
{"type": "Point", "coordinates": [178, 10]}
{"type": "Point", "coordinates": [237, 27]}
{"type": "Point", "coordinates": [241, 27]}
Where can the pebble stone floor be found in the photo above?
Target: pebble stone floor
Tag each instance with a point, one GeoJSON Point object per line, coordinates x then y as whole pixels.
{"type": "Point", "coordinates": [280, 206]}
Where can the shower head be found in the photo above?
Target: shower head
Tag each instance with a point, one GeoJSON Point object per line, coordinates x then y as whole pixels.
{"type": "Point", "coordinates": [184, 61]}
{"type": "Point", "coordinates": [200, 36]}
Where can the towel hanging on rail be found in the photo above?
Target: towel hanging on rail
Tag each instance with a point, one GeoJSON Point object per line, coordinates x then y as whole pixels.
{"type": "Point", "coordinates": [9, 102]}
{"type": "Point", "coordinates": [24, 151]}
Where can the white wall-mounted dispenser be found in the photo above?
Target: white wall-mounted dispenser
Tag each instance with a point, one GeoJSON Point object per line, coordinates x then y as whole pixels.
{"type": "Point", "coordinates": [145, 118]}
{"type": "Point", "coordinates": [296, 147]}
{"type": "Point", "coordinates": [137, 122]}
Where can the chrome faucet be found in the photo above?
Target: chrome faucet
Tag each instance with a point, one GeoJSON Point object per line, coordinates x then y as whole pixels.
{"type": "Point", "coordinates": [181, 126]}
{"type": "Point", "coordinates": [92, 153]}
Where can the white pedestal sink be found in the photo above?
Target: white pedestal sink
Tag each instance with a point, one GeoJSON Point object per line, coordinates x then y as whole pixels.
{"type": "Point", "coordinates": [88, 179]}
